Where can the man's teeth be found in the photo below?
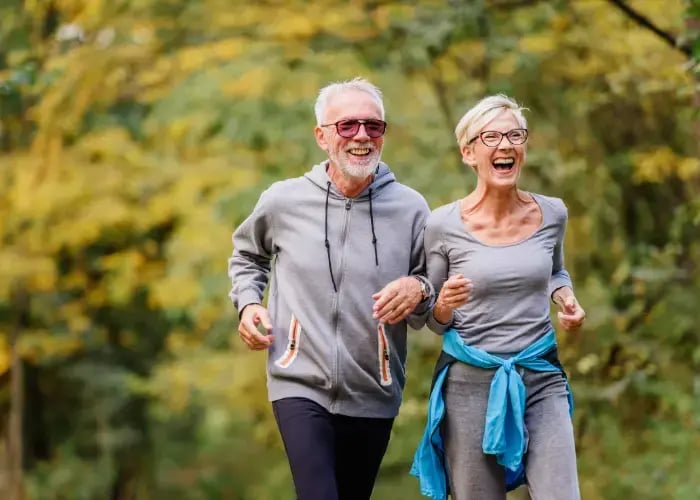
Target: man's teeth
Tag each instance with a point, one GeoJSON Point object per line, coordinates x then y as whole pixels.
{"type": "Point", "coordinates": [359, 151]}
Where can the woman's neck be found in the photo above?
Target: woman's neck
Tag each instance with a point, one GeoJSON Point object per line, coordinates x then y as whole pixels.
{"type": "Point", "coordinates": [495, 204]}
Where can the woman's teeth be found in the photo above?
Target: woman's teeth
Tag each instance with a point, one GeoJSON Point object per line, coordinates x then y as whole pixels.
{"type": "Point", "coordinates": [503, 163]}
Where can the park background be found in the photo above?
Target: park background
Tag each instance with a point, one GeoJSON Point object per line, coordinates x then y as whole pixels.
{"type": "Point", "coordinates": [135, 135]}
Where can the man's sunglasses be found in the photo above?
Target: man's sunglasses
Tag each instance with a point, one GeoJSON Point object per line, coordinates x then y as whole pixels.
{"type": "Point", "coordinates": [350, 128]}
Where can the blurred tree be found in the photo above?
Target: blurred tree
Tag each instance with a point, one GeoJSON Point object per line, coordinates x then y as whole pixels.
{"type": "Point", "coordinates": [135, 135]}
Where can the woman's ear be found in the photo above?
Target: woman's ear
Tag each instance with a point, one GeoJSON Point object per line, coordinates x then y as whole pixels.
{"type": "Point", "coordinates": [468, 155]}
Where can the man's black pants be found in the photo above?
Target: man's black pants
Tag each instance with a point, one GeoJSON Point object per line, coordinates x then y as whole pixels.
{"type": "Point", "coordinates": [332, 457]}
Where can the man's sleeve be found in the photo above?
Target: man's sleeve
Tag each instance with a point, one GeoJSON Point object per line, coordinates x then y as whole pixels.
{"type": "Point", "coordinates": [249, 266]}
{"type": "Point", "coordinates": [418, 317]}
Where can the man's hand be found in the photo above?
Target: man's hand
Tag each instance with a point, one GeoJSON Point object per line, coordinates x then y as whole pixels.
{"type": "Point", "coordinates": [397, 300]}
{"type": "Point", "coordinates": [571, 315]}
{"type": "Point", "coordinates": [453, 294]}
{"type": "Point", "coordinates": [254, 315]}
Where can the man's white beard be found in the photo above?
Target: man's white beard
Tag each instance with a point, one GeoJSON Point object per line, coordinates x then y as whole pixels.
{"type": "Point", "coordinates": [359, 171]}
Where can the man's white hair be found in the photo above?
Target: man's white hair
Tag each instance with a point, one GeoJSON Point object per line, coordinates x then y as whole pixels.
{"type": "Point", "coordinates": [336, 88]}
{"type": "Point", "coordinates": [483, 112]}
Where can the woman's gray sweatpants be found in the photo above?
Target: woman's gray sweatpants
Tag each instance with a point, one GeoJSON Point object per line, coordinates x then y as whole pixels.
{"type": "Point", "coordinates": [550, 462]}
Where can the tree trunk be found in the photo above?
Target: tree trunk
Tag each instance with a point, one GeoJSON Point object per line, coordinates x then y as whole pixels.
{"type": "Point", "coordinates": [693, 26]}
{"type": "Point", "coordinates": [14, 438]}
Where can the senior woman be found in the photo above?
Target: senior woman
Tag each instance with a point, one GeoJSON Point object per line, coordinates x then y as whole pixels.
{"type": "Point", "coordinates": [499, 412]}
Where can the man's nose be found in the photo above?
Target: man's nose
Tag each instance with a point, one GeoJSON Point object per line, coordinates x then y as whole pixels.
{"type": "Point", "coordinates": [362, 133]}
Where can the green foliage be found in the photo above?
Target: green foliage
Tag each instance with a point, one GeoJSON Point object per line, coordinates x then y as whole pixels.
{"type": "Point", "coordinates": [135, 135]}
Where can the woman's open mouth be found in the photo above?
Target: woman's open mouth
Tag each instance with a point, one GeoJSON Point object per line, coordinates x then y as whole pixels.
{"type": "Point", "coordinates": [503, 164]}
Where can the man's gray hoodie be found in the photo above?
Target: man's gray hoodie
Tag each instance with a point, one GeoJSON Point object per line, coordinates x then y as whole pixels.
{"type": "Point", "coordinates": [327, 255]}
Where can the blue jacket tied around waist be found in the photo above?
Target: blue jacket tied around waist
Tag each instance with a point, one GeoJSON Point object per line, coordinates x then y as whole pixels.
{"type": "Point", "coordinates": [504, 432]}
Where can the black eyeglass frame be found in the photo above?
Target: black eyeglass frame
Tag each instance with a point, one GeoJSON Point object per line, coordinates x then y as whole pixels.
{"type": "Point", "coordinates": [506, 135]}
{"type": "Point", "coordinates": [357, 122]}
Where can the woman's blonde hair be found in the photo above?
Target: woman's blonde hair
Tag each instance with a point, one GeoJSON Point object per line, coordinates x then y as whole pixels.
{"type": "Point", "coordinates": [483, 112]}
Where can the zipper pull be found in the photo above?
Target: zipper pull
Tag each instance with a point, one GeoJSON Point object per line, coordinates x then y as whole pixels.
{"type": "Point", "coordinates": [348, 204]}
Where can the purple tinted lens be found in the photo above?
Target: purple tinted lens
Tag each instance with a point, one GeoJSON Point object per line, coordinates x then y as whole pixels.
{"type": "Point", "coordinates": [350, 128]}
{"type": "Point", "coordinates": [375, 128]}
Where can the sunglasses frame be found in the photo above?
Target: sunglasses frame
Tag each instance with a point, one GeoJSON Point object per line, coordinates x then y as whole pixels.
{"type": "Point", "coordinates": [358, 123]}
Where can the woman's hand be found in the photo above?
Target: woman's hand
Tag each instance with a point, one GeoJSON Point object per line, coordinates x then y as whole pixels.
{"type": "Point", "coordinates": [571, 315]}
{"type": "Point", "coordinates": [454, 293]}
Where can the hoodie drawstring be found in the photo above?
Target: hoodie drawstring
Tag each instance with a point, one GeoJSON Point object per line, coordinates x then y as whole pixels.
{"type": "Point", "coordinates": [374, 236]}
{"type": "Point", "coordinates": [328, 245]}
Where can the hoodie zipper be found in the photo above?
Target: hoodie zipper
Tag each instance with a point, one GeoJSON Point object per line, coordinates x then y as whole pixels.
{"type": "Point", "coordinates": [336, 309]}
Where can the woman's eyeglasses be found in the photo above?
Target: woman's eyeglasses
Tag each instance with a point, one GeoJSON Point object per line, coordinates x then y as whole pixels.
{"type": "Point", "coordinates": [350, 128]}
{"type": "Point", "coordinates": [492, 138]}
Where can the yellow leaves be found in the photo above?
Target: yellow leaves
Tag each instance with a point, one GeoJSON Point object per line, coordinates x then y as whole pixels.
{"type": "Point", "coordinates": [251, 84]}
{"type": "Point", "coordinates": [627, 56]}
{"type": "Point", "coordinates": [5, 358]}
{"type": "Point", "coordinates": [385, 15]}
{"type": "Point", "coordinates": [219, 378]}
{"type": "Point", "coordinates": [209, 54]}
{"type": "Point", "coordinates": [448, 70]}
{"type": "Point", "coordinates": [505, 65]}
{"type": "Point", "coordinates": [200, 238]}
{"type": "Point", "coordinates": [688, 168]}
{"type": "Point", "coordinates": [88, 75]}
{"type": "Point", "coordinates": [174, 292]}
{"type": "Point", "coordinates": [199, 244]}
{"type": "Point", "coordinates": [154, 80]}
{"type": "Point", "coordinates": [178, 128]}
{"type": "Point", "coordinates": [469, 49]}
{"type": "Point", "coordinates": [109, 144]}
{"type": "Point", "coordinates": [35, 345]}
{"type": "Point", "coordinates": [560, 23]}
{"type": "Point", "coordinates": [143, 34]}
{"type": "Point", "coordinates": [172, 384]}
{"type": "Point", "coordinates": [89, 221]}
{"type": "Point", "coordinates": [347, 21]}
{"type": "Point", "coordinates": [578, 235]}
{"type": "Point", "coordinates": [36, 272]}
{"type": "Point", "coordinates": [659, 164]}
{"type": "Point", "coordinates": [180, 342]}
{"type": "Point", "coordinates": [538, 43]}
{"type": "Point", "coordinates": [587, 363]}
{"type": "Point", "coordinates": [123, 275]}
{"type": "Point", "coordinates": [288, 24]}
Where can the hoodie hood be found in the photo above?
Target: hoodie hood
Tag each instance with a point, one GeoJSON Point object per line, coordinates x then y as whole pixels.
{"type": "Point", "coordinates": [319, 177]}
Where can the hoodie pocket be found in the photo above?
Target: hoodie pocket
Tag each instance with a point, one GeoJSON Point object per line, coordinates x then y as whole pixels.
{"type": "Point", "coordinates": [384, 354]}
{"type": "Point", "coordinates": [290, 354]}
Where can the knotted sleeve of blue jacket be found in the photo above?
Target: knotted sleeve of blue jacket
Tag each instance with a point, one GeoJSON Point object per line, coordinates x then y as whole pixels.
{"type": "Point", "coordinates": [504, 431]}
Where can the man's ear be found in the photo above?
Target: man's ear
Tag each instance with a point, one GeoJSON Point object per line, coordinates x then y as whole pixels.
{"type": "Point", "coordinates": [468, 156]}
{"type": "Point", "coordinates": [320, 138]}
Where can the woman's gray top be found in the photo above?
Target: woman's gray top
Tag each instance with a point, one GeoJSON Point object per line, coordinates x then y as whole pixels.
{"type": "Point", "coordinates": [508, 307]}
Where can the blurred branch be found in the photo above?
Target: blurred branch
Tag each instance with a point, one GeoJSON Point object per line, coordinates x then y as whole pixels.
{"type": "Point", "coordinates": [646, 23]}
{"type": "Point", "coordinates": [440, 89]}
{"type": "Point", "coordinates": [510, 4]}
